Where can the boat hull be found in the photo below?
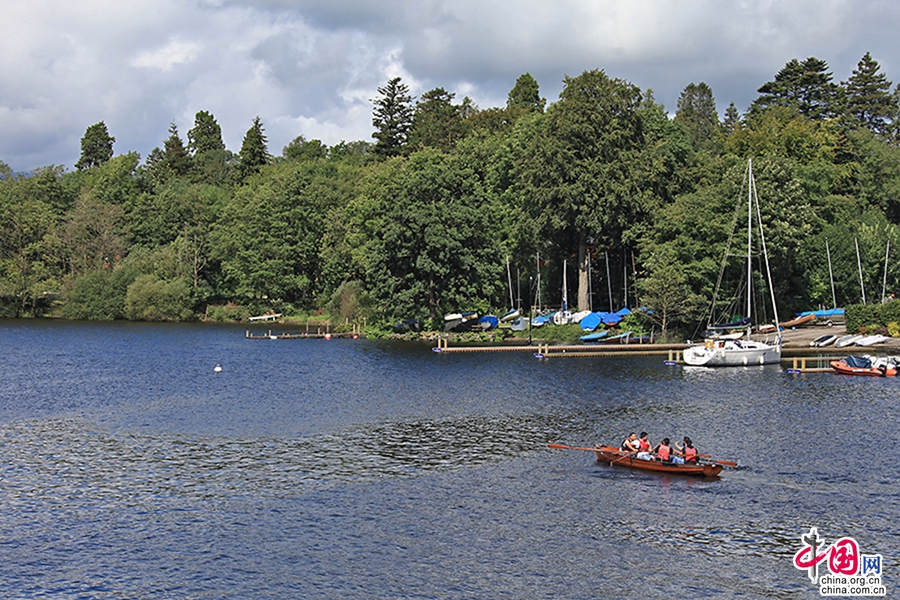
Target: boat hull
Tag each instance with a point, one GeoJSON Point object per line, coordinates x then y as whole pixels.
{"type": "Point", "coordinates": [845, 369]}
{"type": "Point", "coordinates": [619, 458]}
{"type": "Point", "coordinates": [732, 353]}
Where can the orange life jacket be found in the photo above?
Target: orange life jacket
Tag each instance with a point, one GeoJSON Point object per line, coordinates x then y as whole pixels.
{"type": "Point", "coordinates": [644, 445]}
{"type": "Point", "coordinates": [690, 454]}
{"type": "Point", "coordinates": [662, 452]}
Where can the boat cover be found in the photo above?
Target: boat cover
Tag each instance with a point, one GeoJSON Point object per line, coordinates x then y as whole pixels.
{"type": "Point", "coordinates": [858, 362]}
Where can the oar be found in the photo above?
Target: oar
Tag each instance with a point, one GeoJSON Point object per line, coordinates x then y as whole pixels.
{"type": "Point", "coordinates": [563, 447]}
{"type": "Point", "coordinates": [727, 463]}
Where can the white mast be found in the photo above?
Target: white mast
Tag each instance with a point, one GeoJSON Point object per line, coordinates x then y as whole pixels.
{"type": "Point", "coordinates": [831, 276]}
{"type": "Point", "coordinates": [862, 286]}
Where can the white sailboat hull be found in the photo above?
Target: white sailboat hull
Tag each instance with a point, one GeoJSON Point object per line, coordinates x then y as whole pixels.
{"type": "Point", "coordinates": [732, 353]}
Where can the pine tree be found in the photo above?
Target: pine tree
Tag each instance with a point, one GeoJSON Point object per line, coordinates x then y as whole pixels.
{"type": "Point", "coordinates": [697, 112]}
{"type": "Point", "coordinates": [526, 95]}
{"type": "Point", "coordinates": [170, 162]}
{"type": "Point", "coordinates": [437, 122]}
{"type": "Point", "coordinates": [731, 121]}
{"type": "Point", "coordinates": [205, 135]}
{"type": "Point", "coordinates": [96, 147]}
{"type": "Point", "coordinates": [805, 86]}
{"type": "Point", "coordinates": [392, 118]}
{"type": "Point", "coordinates": [254, 152]}
{"type": "Point", "coordinates": [869, 101]}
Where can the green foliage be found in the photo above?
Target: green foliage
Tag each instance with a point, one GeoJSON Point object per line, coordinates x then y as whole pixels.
{"type": "Point", "coordinates": [526, 95]}
{"type": "Point", "coordinates": [805, 87]}
{"type": "Point", "coordinates": [99, 295]}
{"type": "Point", "coordinates": [421, 222]}
{"type": "Point", "coordinates": [869, 103]}
{"type": "Point", "coordinates": [301, 149]}
{"type": "Point", "coordinates": [254, 151]}
{"type": "Point", "coordinates": [149, 298]}
{"type": "Point", "coordinates": [392, 118]}
{"type": "Point", "coordinates": [873, 318]}
{"type": "Point", "coordinates": [96, 147]}
{"type": "Point", "coordinates": [697, 113]}
{"type": "Point", "coordinates": [205, 135]}
{"type": "Point", "coordinates": [437, 122]}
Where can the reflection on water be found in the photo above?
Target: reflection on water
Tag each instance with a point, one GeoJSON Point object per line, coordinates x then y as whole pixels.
{"type": "Point", "coordinates": [377, 470]}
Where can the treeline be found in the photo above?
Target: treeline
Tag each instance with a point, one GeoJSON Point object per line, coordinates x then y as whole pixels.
{"type": "Point", "coordinates": [422, 221]}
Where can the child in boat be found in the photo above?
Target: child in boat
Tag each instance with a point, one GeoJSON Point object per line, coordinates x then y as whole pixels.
{"type": "Point", "coordinates": [663, 451]}
{"type": "Point", "coordinates": [644, 447]}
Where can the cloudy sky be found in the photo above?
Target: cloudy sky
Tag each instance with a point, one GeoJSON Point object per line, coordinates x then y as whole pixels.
{"type": "Point", "coordinates": [312, 67]}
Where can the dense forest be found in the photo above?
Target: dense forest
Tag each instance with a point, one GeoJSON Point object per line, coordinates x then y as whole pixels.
{"type": "Point", "coordinates": [424, 219]}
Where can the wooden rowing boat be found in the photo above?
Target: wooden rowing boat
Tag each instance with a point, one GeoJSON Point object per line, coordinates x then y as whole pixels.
{"type": "Point", "coordinates": [617, 457]}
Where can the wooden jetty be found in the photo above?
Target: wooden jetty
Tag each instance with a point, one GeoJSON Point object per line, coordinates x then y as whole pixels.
{"type": "Point", "coordinates": [304, 335]}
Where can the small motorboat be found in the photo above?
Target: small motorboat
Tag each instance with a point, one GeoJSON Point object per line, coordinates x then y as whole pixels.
{"type": "Point", "coordinates": [866, 366]}
{"type": "Point", "coordinates": [823, 340]}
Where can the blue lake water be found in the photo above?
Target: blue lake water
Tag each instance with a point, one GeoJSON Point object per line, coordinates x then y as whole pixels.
{"type": "Point", "coordinates": [371, 469]}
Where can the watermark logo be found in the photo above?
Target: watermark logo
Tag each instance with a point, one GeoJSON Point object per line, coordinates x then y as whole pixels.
{"type": "Point", "coordinates": [849, 572]}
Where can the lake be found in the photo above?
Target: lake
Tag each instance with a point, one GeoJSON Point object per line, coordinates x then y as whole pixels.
{"type": "Point", "coordinates": [372, 469]}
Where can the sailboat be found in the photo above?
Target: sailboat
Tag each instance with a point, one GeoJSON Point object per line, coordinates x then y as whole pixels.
{"type": "Point", "coordinates": [564, 315]}
{"type": "Point", "coordinates": [738, 349]}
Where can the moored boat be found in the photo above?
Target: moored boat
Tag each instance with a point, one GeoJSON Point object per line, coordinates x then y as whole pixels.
{"type": "Point", "coordinates": [620, 458]}
{"type": "Point", "coordinates": [715, 352]}
{"type": "Point", "coordinates": [866, 366]}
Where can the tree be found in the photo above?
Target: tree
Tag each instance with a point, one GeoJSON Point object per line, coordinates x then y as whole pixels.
{"type": "Point", "coordinates": [582, 176]}
{"type": "Point", "coordinates": [170, 162]}
{"type": "Point", "coordinates": [302, 149]}
{"type": "Point", "coordinates": [869, 101]}
{"type": "Point", "coordinates": [205, 135]}
{"type": "Point", "coordinates": [254, 152]}
{"type": "Point", "coordinates": [437, 122]}
{"type": "Point", "coordinates": [526, 95]}
{"type": "Point", "coordinates": [697, 113]}
{"type": "Point", "coordinates": [96, 147]}
{"type": "Point", "coordinates": [392, 118]}
{"type": "Point", "coordinates": [805, 86]}
{"type": "Point", "coordinates": [665, 290]}
{"type": "Point", "coordinates": [731, 121]}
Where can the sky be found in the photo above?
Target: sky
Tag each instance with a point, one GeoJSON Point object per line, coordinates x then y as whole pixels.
{"type": "Point", "coordinates": [313, 67]}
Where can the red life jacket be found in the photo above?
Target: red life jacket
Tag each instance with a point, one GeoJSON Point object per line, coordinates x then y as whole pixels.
{"type": "Point", "coordinates": [662, 452]}
{"type": "Point", "coordinates": [690, 454]}
{"type": "Point", "coordinates": [644, 445]}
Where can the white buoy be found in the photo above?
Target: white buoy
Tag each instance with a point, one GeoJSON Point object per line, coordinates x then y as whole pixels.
{"type": "Point", "coordinates": [218, 369]}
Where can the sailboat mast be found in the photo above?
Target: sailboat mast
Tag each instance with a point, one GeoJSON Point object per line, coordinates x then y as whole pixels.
{"type": "Point", "coordinates": [831, 276]}
{"type": "Point", "coordinates": [762, 239]}
{"type": "Point", "coordinates": [512, 302]}
{"type": "Point", "coordinates": [749, 240]}
{"type": "Point", "coordinates": [862, 286]}
{"type": "Point", "coordinates": [884, 283]}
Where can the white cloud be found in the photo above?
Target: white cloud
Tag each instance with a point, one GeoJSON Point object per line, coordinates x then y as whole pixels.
{"type": "Point", "coordinates": [165, 58]}
{"type": "Point", "coordinates": [311, 67]}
